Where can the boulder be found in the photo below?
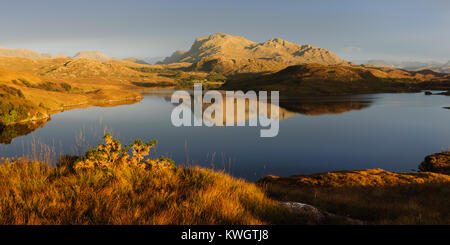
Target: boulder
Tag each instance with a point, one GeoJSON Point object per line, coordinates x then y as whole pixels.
{"type": "Point", "coordinates": [438, 163]}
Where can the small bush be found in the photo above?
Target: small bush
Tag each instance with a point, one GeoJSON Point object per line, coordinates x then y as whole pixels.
{"type": "Point", "coordinates": [107, 156]}
{"type": "Point", "coordinates": [26, 82]}
{"type": "Point", "coordinates": [67, 87]}
{"type": "Point", "coordinates": [214, 77]}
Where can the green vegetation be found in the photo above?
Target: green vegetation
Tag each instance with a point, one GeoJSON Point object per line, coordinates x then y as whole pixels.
{"type": "Point", "coordinates": [216, 77]}
{"type": "Point", "coordinates": [14, 107]}
{"type": "Point", "coordinates": [156, 70]}
{"type": "Point", "coordinates": [188, 82]}
{"type": "Point", "coordinates": [48, 86]}
{"type": "Point", "coordinates": [150, 69]}
{"type": "Point", "coordinates": [12, 112]}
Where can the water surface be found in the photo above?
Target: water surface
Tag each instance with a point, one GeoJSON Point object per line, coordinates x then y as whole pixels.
{"type": "Point", "coordinates": [390, 131]}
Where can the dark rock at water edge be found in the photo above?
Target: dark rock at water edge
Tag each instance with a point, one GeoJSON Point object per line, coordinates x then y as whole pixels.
{"type": "Point", "coordinates": [438, 163]}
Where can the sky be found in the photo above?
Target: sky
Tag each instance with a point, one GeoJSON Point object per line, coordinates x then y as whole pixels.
{"type": "Point", "coordinates": [353, 29]}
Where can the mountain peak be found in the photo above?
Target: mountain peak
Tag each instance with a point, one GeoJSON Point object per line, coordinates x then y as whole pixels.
{"type": "Point", "coordinates": [93, 55]}
{"type": "Point", "coordinates": [219, 35]}
{"type": "Point", "coordinates": [276, 40]}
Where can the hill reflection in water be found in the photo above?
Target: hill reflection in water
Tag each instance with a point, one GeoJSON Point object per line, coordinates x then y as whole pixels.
{"type": "Point", "coordinates": [289, 106]}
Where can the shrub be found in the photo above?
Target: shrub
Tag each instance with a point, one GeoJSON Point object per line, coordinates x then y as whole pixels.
{"type": "Point", "coordinates": [26, 82]}
{"type": "Point", "coordinates": [49, 86]}
{"type": "Point", "coordinates": [67, 87]}
{"type": "Point", "coordinates": [107, 156]}
{"type": "Point", "coordinates": [12, 91]}
{"type": "Point", "coordinates": [216, 77]}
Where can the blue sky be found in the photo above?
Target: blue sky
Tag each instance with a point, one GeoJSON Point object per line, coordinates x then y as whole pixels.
{"type": "Point", "coordinates": [356, 30]}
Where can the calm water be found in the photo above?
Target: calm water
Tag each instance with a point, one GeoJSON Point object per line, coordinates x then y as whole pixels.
{"type": "Point", "coordinates": [389, 131]}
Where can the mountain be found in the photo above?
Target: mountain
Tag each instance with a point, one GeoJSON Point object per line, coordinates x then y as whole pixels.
{"type": "Point", "coordinates": [153, 60]}
{"type": "Point", "coordinates": [23, 53]}
{"type": "Point", "coordinates": [92, 55]}
{"type": "Point", "coordinates": [413, 65]}
{"type": "Point", "coordinates": [136, 60]}
{"type": "Point", "coordinates": [176, 56]}
{"type": "Point", "coordinates": [317, 79]}
{"type": "Point", "coordinates": [230, 47]}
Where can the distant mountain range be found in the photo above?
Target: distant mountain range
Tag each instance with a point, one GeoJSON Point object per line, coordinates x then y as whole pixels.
{"type": "Point", "coordinates": [413, 65]}
{"type": "Point", "coordinates": [26, 53]}
{"type": "Point", "coordinates": [231, 55]}
{"type": "Point", "coordinates": [92, 55]}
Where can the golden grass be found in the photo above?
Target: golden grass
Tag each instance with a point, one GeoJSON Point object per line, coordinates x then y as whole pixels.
{"type": "Point", "coordinates": [108, 186]}
{"type": "Point", "coordinates": [369, 177]}
{"type": "Point", "coordinates": [33, 193]}
{"type": "Point", "coordinates": [375, 196]}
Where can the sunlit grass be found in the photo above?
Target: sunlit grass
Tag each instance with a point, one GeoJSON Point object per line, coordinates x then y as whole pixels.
{"type": "Point", "coordinates": [109, 186]}
{"type": "Point", "coordinates": [375, 196]}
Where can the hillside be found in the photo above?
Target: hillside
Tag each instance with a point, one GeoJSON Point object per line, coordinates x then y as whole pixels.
{"type": "Point", "coordinates": [316, 79]}
{"type": "Point", "coordinates": [33, 89]}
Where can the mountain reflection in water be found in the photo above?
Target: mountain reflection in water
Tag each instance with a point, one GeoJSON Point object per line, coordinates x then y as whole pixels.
{"type": "Point", "coordinates": [288, 106]}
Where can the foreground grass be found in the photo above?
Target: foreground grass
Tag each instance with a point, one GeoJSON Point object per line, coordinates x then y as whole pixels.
{"type": "Point", "coordinates": [33, 193]}
{"type": "Point", "coordinates": [108, 186]}
{"type": "Point", "coordinates": [374, 196]}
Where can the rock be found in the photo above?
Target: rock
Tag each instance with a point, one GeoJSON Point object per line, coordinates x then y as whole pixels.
{"type": "Point", "coordinates": [438, 163]}
{"type": "Point", "coordinates": [428, 93]}
{"type": "Point", "coordinates": [318, 214]}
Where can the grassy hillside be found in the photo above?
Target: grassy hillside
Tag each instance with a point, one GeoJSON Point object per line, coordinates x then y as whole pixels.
{"type": "Point", "coordinates": [29, 97]}
{"type": "Point", "coordinates": [34, 89]}
{"type": "Point", "coordinates": [315, 79]}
